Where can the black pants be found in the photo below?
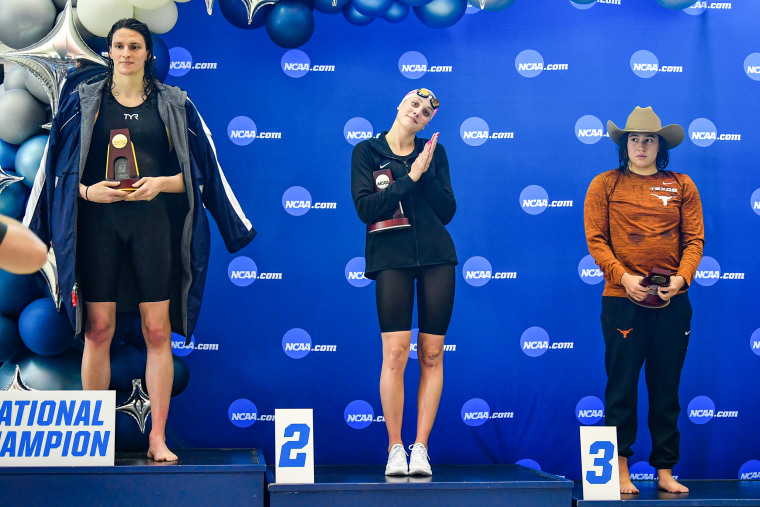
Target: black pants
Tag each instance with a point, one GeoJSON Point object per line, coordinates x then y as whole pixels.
{"type": "Point", "coordinates": [636, 336]}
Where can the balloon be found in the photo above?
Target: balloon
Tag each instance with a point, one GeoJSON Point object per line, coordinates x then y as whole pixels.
{"type": "Point", "coordinates": [441, 13]}
{"type": "Point", "coordinates": [240, 12]}
{"type": "Point", "coordinates": [10, 341]}
{"type": "Point", "coordinates": [8, 368]}
{"type": "Point", "coordinates": [415, 3]}
{"type": "Point", "coordinates": [14, 78]}
{"type": "Point", "coordinates": [24, 22]}
{"type": "Point", "coordinates": [28, 158]}
{"type": "Point", "coordinates": [7, 155]}
{"type": "Point", "coordinates": [330, 6]}
{"type": "Point", "coordinates": [44, 330]}
{"type": "Point", "coordinates": [290, 24]}
{"type": "Point", "coordinates": [161, 52]}
{"type": "Point", "coordinates": [60, 4]}
{"type": "Point", "coordinates": [16, 291]}
{"type": "Point", "coordinates": [35, 87]}
{"type": "Point", "coordinates": [98, 16]}
{"type": "Point", "coordinates": [159, 20]}
{"type": "Point", "coordinates": [12, 200]}
{"type": "Point", "coordinates": [495, 5]}
{"type": "Point", "coordinates": [149, 4]}
{"type": "Point", "coordinates": [127, 363]}
{"type": "Point", "coordinates": [128, 435]}
{"type": "Point", "coordinates": [396, 13]}
{"type": "Point", "coordinates": [97, 44]}
{"type": "Point", "coordinates": [676, 4]}
{"type": "Point", "coordinates": [20, 116]}
{"type": "Point", "coordinates": [57, 373]}
{"type": "Point", "coordinates": [372, 8]}
{"type": "Point", "coordinates": [355, 17]}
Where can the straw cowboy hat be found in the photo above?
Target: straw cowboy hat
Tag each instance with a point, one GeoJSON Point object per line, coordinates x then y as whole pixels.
{"type": "Point", "coordinates": [643, 119]}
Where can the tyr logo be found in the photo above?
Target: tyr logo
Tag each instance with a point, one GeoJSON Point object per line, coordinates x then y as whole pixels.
{"type": "Point", "coordinates": [135, 116]}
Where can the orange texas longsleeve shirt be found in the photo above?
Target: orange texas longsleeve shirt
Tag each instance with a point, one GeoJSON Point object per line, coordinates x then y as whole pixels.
{"type": "Point", "coordinates": [645, 222]}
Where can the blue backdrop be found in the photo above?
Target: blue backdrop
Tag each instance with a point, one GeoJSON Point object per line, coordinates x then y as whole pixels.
{"type": "Point", "coordinates": [525, 93]}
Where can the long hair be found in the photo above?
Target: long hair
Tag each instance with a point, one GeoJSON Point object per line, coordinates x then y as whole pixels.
{"type": "Point", "coordinates": [662, 153]}
{"type": "Point", "coordinates": [149, 76]}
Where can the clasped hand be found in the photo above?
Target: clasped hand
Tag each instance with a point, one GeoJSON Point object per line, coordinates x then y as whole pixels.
{"type": "Point", "coordinates": [422, 162]}
{"type": "Point", "coordinates": [638, 292]}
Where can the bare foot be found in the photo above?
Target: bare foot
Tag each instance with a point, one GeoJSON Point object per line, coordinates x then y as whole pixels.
{"type": "Point", "coordinates": [667, 483]}
{"type": "Point", "coordinates": [626, 486]}
{"type": "Point", "coordinates": [159, 452]}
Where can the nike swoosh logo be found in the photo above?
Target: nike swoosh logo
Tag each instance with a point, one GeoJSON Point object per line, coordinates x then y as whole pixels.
{"type": "Point", "coordinates": [668, 182]}
{"type": "Point", "coordinates": [687, 332]}
{"type": "Point", "coordinates": [382, 166]}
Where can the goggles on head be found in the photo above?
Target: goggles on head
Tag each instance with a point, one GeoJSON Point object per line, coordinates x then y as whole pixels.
{"type": "Point", "coordinates": [425, 94]}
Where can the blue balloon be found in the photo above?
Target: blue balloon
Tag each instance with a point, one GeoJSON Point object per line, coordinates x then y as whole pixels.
{"type": "Point", "coordinates": [28, 158]}
{"type": "Point", "coordinates": [415, 3]}
{"type": "Point", "coordinates": [676, 4]}
{"type": "Point", "coordinates": [13, 199]}
{"type": "Point", "coordinates": [181, 376]}
{"type": "Point", "coordinates": [355, 17]}
{"type": "Point", "coordinates": [396, 13]}
{"type": "Point", "coordinates": [7, 155]}
{"type": "Point", "coordinates": [161, 52]}
{"type": "Point", "coordinates": [290, 24]}
{"type": "Point", "coordinates": [330, 6]}
{"type": "Point", "coordinates": [127, 363]}
{"type": "Point", "coordinates": [10, 340]}
{"type": "Point", "coordinates": [44, 330]}
{"type": "Point", "coordinates": [59, 373]}
{"type": "Point", "coordinates": [372, 8]}
{"type": "Point", "coordinates": [16, 292]}
{"type": "Point", "coordinates": [235, 12]}
{"type": "Point", "coordinates": [441, 13]}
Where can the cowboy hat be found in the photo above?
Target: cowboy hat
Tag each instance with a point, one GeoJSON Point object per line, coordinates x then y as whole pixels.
{"type": "Point", "coordinates": [643, 119]}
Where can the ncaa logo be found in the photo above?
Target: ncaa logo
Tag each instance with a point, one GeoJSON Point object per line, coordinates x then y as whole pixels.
{"type": "Point", "coordinates": [355, 272]}
{"type": "Point", "coordinates": [180, 61]}
{"type": "Point", "coordinates": [589, 410]}
{"type": "Point", "coordinates": [534, 341]}
{"type": "Point", "coordinates": [178, 345]}
{"type": "Point", "coordinates": [529, 63]}
{"type": "Point", "coordinates": [529, 463]}
{"type": "Point", "coordinates": [242, 413]}
{"type": "Point", "coordinates": [356, 130]}
{"type": "Point", "coordinates": [701, 410]}
{"type": "Point", "coordinates": [296, 201]}
{"type": "Point", "coordinates": [295, 63]}
{"type": "Point", "coordinates": [533, 200]}
{"type": "Point", "coordinates": [382, 181]}
{"type": "Point", "coordinates": [588, 129]}
{"type": "Point", "coordinates": [589, 271]}
{"type": "Point", "coordinates": [752, 66]}
{"type": "Point", "coordinates": [702, 132]}
{"type": "Point", "coordinates": [750, 470]}
{"type": "Point", "coordinates": [412, 65]}
{"type": "Point", "coordinates": [644, 63]}
{"type": "Point", "coordinates": [358, 414]}
{"type": "Point", "coordinates": [413, 345]}
{"type": "Point", "coordinates": [242, 271]}
{"type": "Point", "coordinates": [477, 271]}
{"type": "Point", "coordinates": [475, 412]}
{"type": "Point", "coordinates": [296, 343]}
{"type": "Point", "coordinates": [754, 201]}
{"type": "Point", "coordinates": [754, 342]}
{"type": "Point", "coordinates": [708, 272]}
{"type": "Point", "coordinates": [474, 131]}
{"type": "Point", "coordinates": [642, 471]}
{"type": "Point", "coordinates": [241, 130]}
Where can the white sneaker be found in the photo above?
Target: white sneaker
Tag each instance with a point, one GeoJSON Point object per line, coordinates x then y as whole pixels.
{"type": "Point", "coordinates": [397, 461]}
{"type": "Point", "coordinates": [419, 460]}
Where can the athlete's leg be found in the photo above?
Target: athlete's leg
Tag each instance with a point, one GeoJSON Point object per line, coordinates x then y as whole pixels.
{"type": "Point", "coordinates": [98, 333]}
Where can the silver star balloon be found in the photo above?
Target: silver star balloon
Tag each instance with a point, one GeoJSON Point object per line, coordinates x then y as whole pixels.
{"type": "Point", "coordinates": [253, 6]}
{"type": "Point", "coordinates": [50, 59]}
{"type": "Point", "coordinates": [209, 6]}
{"type": "Point", "coordinates": [16, 383]}
{"type": "Point", "coordinates": [6, 179]}
{"type": "Point", "coordinates": [138, 404]}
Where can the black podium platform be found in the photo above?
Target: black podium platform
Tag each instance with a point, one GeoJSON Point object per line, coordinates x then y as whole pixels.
{"type": "Point", "coordinates": [482, 486]}
{"type": "Point", "coordinates": [702, 493]}
{"type": "Point", "coordinates": [201, 477]}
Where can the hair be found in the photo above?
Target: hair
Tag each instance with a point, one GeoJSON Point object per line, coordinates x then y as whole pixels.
{"type": "Point", "coordinates": [662, 153]}
{"type": "Point", "coordinates": [149, 77]}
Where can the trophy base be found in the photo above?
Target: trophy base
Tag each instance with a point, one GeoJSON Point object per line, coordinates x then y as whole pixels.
{"type": "Point", "coordinates": [125, 185]}
{"type": "Point", "coordinates": [388, 225]}
{"type": "Point", "coordinates": [651, 301]}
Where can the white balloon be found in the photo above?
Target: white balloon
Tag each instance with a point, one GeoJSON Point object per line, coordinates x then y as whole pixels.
{"type": "Point", "coordinates": [181, 1]}
{"type": "Point", "coordinates": [148, 4]}
{"type": "Point", "coordinates": [159, 20]}
{"type": "Point", "coordinates": [98, 16]}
